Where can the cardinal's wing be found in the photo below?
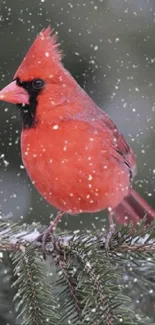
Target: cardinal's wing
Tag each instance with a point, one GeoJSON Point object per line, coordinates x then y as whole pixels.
{"type": "Point", "coordinates": [121, 146]}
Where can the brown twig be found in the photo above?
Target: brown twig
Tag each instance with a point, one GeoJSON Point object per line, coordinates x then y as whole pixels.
{"type": "Point", "coordinates": [136, 247]}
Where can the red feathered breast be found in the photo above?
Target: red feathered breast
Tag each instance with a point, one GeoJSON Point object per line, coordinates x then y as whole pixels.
{"type": "Point", "coordinates": [74, 166]}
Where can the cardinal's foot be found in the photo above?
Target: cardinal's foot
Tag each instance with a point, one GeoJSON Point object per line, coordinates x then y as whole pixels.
{"type": "Point", "coordinates": [48, 234]}
{"type": "Point", "coordinates": [44, 238]}
{"type": "Point", "coordinates": [108, 238]}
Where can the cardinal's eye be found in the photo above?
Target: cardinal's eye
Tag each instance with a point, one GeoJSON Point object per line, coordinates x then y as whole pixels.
{"type": "Point", "coordinates": [38, 83]}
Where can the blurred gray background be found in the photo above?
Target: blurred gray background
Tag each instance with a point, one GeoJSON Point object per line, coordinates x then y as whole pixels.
{"type": "Point", "coordinates": [109, 47]}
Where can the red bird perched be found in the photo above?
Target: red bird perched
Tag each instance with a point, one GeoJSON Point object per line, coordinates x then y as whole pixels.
{"type": "Point", "coordinates": [73, 152]}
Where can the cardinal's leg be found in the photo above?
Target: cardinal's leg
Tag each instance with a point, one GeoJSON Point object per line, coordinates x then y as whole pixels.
{"type": "Point", "coordinates": [54, 223]}
{"type": "Point", "coordinates": [43, 238]}
{"type": "Point", "coordinates": [111, 229]}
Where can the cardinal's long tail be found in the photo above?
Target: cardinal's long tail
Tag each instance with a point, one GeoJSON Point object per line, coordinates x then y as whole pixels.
{"type": "Point", "coordinates": [133, 208]}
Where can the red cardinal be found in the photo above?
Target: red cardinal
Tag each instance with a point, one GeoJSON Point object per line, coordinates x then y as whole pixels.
{"type": "Point", "coordinates": [73, 152]}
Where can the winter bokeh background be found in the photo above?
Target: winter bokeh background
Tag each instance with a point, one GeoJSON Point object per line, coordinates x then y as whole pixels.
{"type": "Point", "coordinates": [109, 47]}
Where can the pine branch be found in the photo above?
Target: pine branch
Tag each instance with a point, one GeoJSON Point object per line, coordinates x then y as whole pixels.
{"type": "Point", "coordinates": [7, 312]}
{"type": "Point", "coordinates": [14, 238]}
{"type": "Point", "coordinates": [89, 285]}
{"type": "Point", "coordinates": [9, 247]}
{"type": "Point", "coordinates": [34, 290]}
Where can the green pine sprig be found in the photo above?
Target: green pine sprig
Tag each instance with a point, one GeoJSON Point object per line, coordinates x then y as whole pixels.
{"type": "Point", "coordinates": [90, 283]}
{"type": "Point", "coordinates": [35, 303]}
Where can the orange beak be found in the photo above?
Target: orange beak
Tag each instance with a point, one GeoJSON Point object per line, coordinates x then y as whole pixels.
{"type": "Point", "coordinates": [14, 94]}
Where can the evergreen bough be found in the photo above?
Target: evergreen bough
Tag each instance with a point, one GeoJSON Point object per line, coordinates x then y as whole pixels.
{"type": "Point", "coordinates": [80, 283]}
